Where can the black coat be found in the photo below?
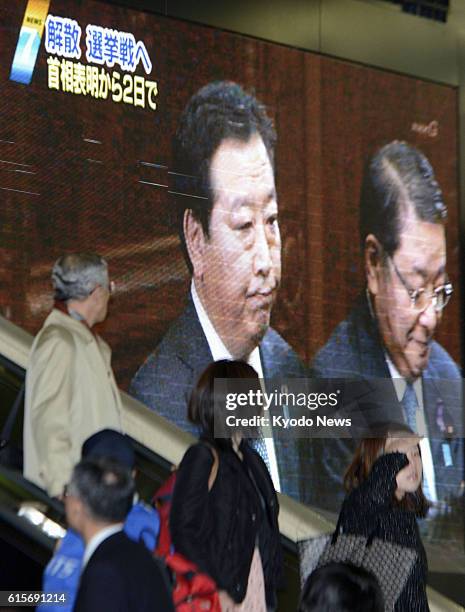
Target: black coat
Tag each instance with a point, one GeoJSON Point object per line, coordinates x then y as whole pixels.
{"type": "Point", "coordinates": [122, 576]}
{"type": "Point", "coordinates": [369, 510]}
{"type": "Point", "coordinates": [218, 529]}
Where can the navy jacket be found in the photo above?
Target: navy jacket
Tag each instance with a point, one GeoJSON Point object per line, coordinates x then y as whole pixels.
{"type": "Point", "coordinates": [122, 576]}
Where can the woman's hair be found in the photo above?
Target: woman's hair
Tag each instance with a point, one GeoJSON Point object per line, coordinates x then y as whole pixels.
{"type": "Point", "coordinates": [369, 450]}
{"type": "Point", "coordinates": [341, 587]}
{"type": "Point", "coordinates": [208, 400]}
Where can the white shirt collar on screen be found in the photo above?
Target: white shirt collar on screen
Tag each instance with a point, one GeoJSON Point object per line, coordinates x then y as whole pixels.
{"type": "Point", "coordinates": [217, 347]}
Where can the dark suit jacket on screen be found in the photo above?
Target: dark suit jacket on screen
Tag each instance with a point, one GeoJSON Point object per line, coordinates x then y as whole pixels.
{"type": "Point", "coordinates": [122, 576]}
{"type": "Point", "coordinates": [165, 380]}
{"type": "Point", "coordinates": [355, 351]}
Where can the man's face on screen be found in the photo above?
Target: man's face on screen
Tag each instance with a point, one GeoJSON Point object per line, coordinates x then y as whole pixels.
{"type": "Point", "coordinates": [239, 270]}
{"type": "Point", "coordinates": [420, 262]}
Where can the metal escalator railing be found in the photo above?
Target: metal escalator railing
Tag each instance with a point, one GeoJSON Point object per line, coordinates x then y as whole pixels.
{"type": "Point", "coordinates": [159, 445]}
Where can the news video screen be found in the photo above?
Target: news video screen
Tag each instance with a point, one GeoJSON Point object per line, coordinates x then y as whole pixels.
{"type": "Point", "coordinates": [92, 95]}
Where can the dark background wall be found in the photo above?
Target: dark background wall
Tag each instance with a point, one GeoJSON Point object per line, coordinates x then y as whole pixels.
{"type": "Point", "coordinates": [374, 32]}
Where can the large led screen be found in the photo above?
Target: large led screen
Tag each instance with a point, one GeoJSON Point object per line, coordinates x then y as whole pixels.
{"type": "Point", "coordinates": [92, 95]}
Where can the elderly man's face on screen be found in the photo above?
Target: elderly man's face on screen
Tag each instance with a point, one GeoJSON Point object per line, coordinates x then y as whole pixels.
{"type": "Point", "coordinates": [237, 269]}
{"type": "Point", "coordinates": [407, 289]}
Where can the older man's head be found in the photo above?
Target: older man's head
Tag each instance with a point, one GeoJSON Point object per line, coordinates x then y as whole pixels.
{"type": "Point", "coordinates": [225, 190]}
{"type": "Point", "coordinates": [402, 226]}
{"type": "Point", "coordinates": [81, 280]}
{"type": "Point", "coordinates": [100, 493]}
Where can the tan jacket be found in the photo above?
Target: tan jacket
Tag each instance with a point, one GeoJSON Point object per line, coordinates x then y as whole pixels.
{"type": "Point", "coordinates": [71, 393]}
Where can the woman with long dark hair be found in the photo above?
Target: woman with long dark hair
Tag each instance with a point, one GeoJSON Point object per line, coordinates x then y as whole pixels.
{"type": "Point", "coordinates": [224, 514]}
{"type": "Point", "coordinates": [385, 498]}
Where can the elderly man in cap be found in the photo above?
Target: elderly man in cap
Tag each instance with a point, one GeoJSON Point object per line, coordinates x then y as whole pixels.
{"type": "Point", "coordinates": [71, 392]}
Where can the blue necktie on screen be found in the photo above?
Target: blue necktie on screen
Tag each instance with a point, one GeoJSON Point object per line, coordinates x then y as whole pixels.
{"type": "Point", "coordinates": [410, 405]}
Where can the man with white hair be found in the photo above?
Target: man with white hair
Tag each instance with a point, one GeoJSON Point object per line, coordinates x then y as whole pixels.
{"type": "Point", "coordinates": [71, 392]}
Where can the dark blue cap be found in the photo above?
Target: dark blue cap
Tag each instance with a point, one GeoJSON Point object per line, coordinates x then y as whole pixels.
{"type": "Point", "coordinates": [109, 444]}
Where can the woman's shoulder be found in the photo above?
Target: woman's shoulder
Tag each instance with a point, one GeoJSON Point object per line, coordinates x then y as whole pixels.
{"type": "Point", "coordinates": [200, 452]}
{"type": "Point", "coordinates": [195, 468]}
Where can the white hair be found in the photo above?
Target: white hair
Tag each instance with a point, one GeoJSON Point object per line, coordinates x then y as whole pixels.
{"type": "Point", "coordinates": [76, 275]}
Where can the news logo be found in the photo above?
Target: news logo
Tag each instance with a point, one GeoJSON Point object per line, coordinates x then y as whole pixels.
{"type": "Point", "coordinates": [29, 39]}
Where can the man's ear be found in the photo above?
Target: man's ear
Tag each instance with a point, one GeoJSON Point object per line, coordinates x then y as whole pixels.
{"type": "Point", "coordinates": [195, 242]}
{"type": "Point", "coordinates": [373, 262]}
{"type": "Point", "coordinates": [97, 291]}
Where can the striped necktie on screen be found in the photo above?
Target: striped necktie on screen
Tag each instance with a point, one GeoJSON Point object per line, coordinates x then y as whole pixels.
{"type": "Point", "coordinates": [410, 405]}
